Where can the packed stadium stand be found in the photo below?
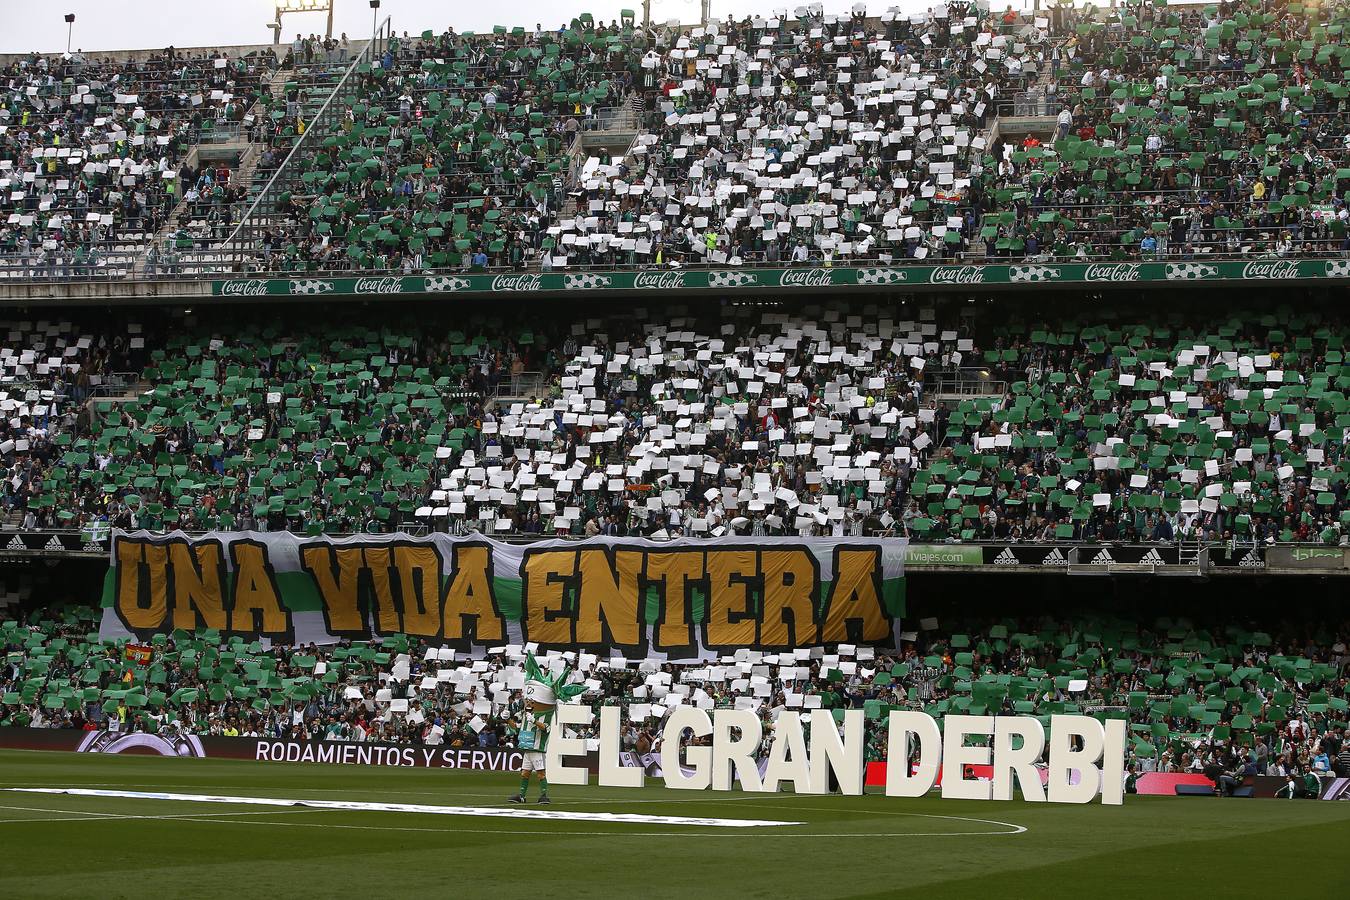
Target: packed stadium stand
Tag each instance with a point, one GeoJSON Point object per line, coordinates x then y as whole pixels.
{"type": "Point", "coordinates": [851, 140]}
{"type": "Point", "coordinates": [1217, 423]}
{"type": "Point", "coordinates": [98, 154]}
{"type": "Point", "coordinates": [1194, 695]}
{"type": "Point", "coordinates": [1178, 416]}
{"type": "Point", "coordinates": [801, 139]}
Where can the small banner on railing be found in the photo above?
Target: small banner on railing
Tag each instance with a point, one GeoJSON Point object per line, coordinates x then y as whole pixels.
{"type": "Point", "coordinates": [681, 599]}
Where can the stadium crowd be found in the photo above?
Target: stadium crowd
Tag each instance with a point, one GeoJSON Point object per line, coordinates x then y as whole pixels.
{"type": "Point", "coordinates": [1195, 697]}
{"type": "Point", "coordinates": [1162, 132]}
{"type": "Point", "coordinates": [939, 423]}
{"type": "Point", "coordinates": [453, 150]}
{"type": "Point", "coordinates": [48, 370]}
{"type": "Point", "coordinates": [836, 139]}
{"type": "Point", "coordinates": [94, 151]}
{"type": "Point", "coordinates": [1214, 130]}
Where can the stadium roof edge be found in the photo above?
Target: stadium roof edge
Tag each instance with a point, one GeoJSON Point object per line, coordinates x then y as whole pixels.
{"type": "Point", "coordinates": [137, 53]}
{"type": "Point", "coordinates": [871, 19]}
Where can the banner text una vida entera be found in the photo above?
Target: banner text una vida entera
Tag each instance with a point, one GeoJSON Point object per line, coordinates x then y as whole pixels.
{"type": "Point", "coordinates": [680, 598]}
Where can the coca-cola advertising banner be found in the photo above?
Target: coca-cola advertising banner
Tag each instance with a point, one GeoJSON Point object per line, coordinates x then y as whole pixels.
{"type": "Point", "coordinates": [800, 277]}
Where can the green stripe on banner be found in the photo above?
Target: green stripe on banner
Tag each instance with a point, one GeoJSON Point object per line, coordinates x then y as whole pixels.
{"type": "Point", "coordinates": [109, 588]}
{"type": "Point", "coordinates": [698, 604]}
{"type": "Point", "coordinates": [893, 596]}
{"type": "Point", "coordinates": [507, 591]}
{"type": "Point", "coordinates": [651, 605]}
{"type": "Point", "coordinates": [299, 593]}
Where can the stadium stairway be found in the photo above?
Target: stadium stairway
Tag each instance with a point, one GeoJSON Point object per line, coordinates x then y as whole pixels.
{"type": "Point", "coordinates": [277, 86]}
{"type": "Point", "coordinates": [614, 130]}
{"type": "Point", "coordinates": [1032, 112]}
{"type": "Point", "coordinates": [242, 169]}
{"type": "Point", "coordinates": [240, 172]}
{"type": "Point", "coordinates": [324, 91]}
{"type": "Point", "coordinates": [317, 88]}
{"type": "Point", "coordinates": [975, 251]}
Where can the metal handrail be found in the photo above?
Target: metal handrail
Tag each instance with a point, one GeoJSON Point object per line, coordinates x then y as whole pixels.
{"type": "Point", "coordinates": [523, 538]}
{"type": "Point", "coordinates": [966, 387]}
{"type": "Point", "coordinates": [1112, 200]}
{"type": "Point", "coordinates": [365, 54]}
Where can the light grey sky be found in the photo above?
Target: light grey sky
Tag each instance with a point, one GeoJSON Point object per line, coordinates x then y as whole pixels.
{"type": "Point", "coordinates": [141, 24]}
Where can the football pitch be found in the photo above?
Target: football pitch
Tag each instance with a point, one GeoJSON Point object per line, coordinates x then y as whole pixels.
{"type": "Point", "coordinates": [230, 828]}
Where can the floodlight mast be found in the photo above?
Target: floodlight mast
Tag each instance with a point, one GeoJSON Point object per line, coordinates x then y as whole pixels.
{"type": "Point", "coordinates": [285, 7]}
{"type": "Point", "coordinates": [704, 16]}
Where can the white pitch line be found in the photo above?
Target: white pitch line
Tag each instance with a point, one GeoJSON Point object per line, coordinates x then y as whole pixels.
{"type": "Point", "coordinates": [812, 835]}
{"type": "Point", "coordinates": [729, 798]}
{"type": "Point", "coordinates": [1016, 829]}
{"type": "Point", "coordinates": [49, 809]}
{"type": "Point", "coordinates": [98, 816]}
{"type": "Point", "coordinates": [215, 819]}
{"type": "Point", "coordinates": [487, 811]}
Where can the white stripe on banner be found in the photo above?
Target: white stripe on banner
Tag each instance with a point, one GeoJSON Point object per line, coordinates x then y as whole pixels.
{"type": "Point", "coordinates": [488, 811]}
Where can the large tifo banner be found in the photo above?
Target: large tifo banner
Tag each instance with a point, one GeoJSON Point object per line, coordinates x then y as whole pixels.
{"type": "Point", "coordinates": [682, 599]}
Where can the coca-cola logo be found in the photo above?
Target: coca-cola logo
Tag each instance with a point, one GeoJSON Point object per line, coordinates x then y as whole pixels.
{"type": "Point", "coordinates": [517, 283]}
{"type": "Point", "coordinates": [958, 275]}
{"type": "Point", "coordinates": [1113, 272]}
{"type": "Point", "coordinates": [243, 289]}
{"type": "Point", "coordinates": [379, 285]}
{"type": "Point", "coordinates": [659, 280]}
{"type": "Point", "coordinates": [1277, 269]}
{"type": "Point", "coordinates": [806, 278]}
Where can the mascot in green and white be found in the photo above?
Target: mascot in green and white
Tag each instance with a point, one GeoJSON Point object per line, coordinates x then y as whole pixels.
{"type": "Point", "coordinates": [533, 721]}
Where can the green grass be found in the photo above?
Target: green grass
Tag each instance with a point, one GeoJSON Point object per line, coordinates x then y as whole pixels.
{"type": "Point", "coordinates": [871, 846]}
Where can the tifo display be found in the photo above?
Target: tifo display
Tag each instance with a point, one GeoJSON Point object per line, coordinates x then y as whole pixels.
{"type": "Point", "coordinates": [1196, 698]}
{"type": "Point", "coordinates": [938, 422]}
{"type": "Point", "coordinates": [509, 458]}
{"type": "Point", "coordinates": [1142, 133]}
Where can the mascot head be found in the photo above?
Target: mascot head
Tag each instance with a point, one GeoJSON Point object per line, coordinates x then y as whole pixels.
{"type": "Point", "coordinates": [543, 689]}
